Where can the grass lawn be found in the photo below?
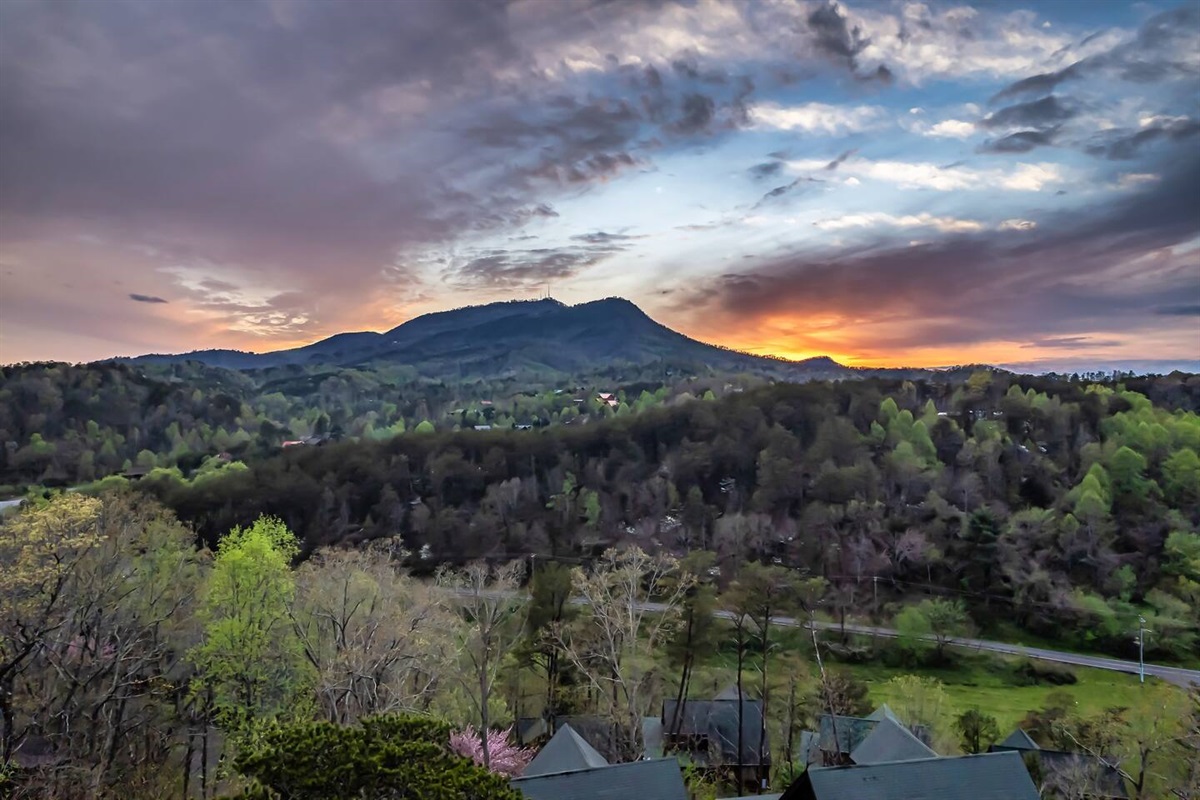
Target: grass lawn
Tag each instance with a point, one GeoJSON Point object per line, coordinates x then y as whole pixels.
{"type": "Point", "coordinates": [984, 684]}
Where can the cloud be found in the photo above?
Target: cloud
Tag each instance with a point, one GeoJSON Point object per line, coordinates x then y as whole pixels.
{"type": "Point", "coordinates": [767, 169]}
{"type": "Point", "coordinates": [146, 298]}
{"type": "Point", "coordinates": [1179, 311]}
{"type": "Point", "coordinates": [951, 129]}
{"type": "Point", "coordinates": [1108, 267]}
{"type": "Point", "coordinates": [924, 175]}
{"type": "Point", "coordinates": [1125, 144]}
{"type": "Point", "coordinates": [879, 218]}
{"type": "Point", "coordinates": [523, 269]}
{"type": "Point", "coordinates": [1019, 142]}
{"type": "Point", "coordinates": [834, 38]}
{"type": "Point", "coordinates": [819, 118]}
{"type": "Point", "coordinates": [1042, 113]}
{"type": "Point", "coordinates": [1073, 343]}
{"type": "Point", "coordinates": [1018, 225]}
{"type": "Point", "coordinates": [790, 188]}
{"type": "Point", "coordinates": [698, 111]}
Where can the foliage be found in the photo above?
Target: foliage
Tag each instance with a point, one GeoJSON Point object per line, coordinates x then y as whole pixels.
{"type": "Point", "coordinates": [250, 661]}
{"type": "Point", "coordinates": [504, 757]}
{"type": "Point", "coordinates": [389, 757]}
{"type": "Point", "coordinates": [978, 730]}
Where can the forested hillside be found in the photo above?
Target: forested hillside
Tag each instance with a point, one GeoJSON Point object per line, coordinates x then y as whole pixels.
{"type": "Point", "coordinates": [1067, 508]}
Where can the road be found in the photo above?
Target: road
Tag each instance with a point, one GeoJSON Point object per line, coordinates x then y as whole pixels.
{"type": "Point", "coordinates": [1176, 675]}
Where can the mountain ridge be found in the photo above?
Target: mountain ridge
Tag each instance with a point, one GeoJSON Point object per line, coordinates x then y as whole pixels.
{"type": "Point", "coordinates": [511, 336]}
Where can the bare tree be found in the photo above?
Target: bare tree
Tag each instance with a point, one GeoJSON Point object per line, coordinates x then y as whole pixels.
{"type": "Point", "coordinates": [631, 604]}
{"type": "Point", "coordinates": [377, 639]}
{"type": "Point", "coordinates": [492, 608]}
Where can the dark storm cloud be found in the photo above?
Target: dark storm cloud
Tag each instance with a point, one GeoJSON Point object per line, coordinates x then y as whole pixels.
{"type": "Point", "coordinates": [1179, 311]}
{"type": "Point", "coordinates": [696, 112]}
{"type": "Point", "coordinates": [1124, 144]}
{"type": "Point", "coordinates": [1159, 51]}
{"type": "Point", "coordinates": [517, 269]}
{"type": "Point", "coordinates": [797, 186]}
{"type": "Point", "coordinates": [841, 44]}
{"type": "Point", "coordinates": [1019, 142]}
{"type": "Point", "coordinates": [1045, 285]}
{"type": "Point", "coordinates": [146, 298]}
{"type": "Point", "coordinates": [837, 162]}
{"type": "Point", "coordinates": [767, 169]}
{"type": "Point", "coordinates": [602, 237]}
{"type": "Point", "coordinates": [1040, 114]}
{"type": "Point", "coordinates": [1037, 84]}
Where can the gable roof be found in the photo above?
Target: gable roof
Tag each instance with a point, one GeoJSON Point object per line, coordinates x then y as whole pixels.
{"type": "Point", "coordinates": [718, 720]}
{"type": "Point", "coordinates": [882, 713]}
{"type": "Point", "coordinates": [990, 776]}
{"type": "Point", "coordinates": [660, 779]}
{"type": "Point", "coordinates": [850, 732]}
{"type": "Point", "coordinates": [566, 751]}
{"type": "Point", "coordinates": [890, 741]}
{"type": "Point", "coordinates": [731, 693]}
{"type": "Point", "coordinates": [1019, 740]}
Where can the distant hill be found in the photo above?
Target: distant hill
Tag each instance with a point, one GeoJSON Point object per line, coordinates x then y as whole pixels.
{"type": "Point", "coordinates": [516, 337]}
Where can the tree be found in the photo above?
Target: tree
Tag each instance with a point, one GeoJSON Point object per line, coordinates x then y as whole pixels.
{"type": "Point", "coordinates": [697, 633]}
{"type": "Point", "coordinates": [549, 607]}
{"type": "Point", "coordinates": [382, 758]}
{"type": "Point", "coordinates": [921, 703]}
{"type": "Point", "coordinates": [504, 757]}
{"type": "Point", "coordinates": [493, 616]}
{"type": "Point", "coordinates": [979, 731]}
{"type": "Point", "coordinates": [760, 593]}
{"type": "Point", "coordinates": [932, 623]}
{"type": "Point", "coordinates": [377, 640]}
{"type": "Point", "coordinates": [1181, 478]}
{"type": "Point", "coordinates": [40, 549]}
{"type": "Point", "coordinates": [251, 662]}
{"type": "Point", "coordinates": [615, 642]}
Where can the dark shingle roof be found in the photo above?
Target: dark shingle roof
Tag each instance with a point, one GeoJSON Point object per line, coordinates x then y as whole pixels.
{"type": "Point", "coordinates": [991, 776]}
{"type": "Point", "coordinates": [1019, 740]}
{"type": "Point", "coordinates": [850, 732]}
{"type": "Point", "coordinates": [660, 779]}
{"type": "Point", "coordinates": [718, 720]}
{"type": "Point", "coordinates": [890, 741]}
{"type": "Point", "coordinates": [565, 751]}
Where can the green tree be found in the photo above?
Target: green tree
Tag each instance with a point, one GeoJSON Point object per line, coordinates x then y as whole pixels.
{"type": "Point", "coordinates": [977, 730]}
{"type": "Point", "coordinates": [1181, 478]}
{"type": "Point", "coordinates": [250, 661]}
{"type": "Point", "coordinates": [383, 758]}
{"type": "Point", "coordinates": [424, 426]}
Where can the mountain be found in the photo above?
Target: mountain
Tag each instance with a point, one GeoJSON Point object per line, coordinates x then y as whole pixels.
{"type": "Point", "coordinates": [519, 336]}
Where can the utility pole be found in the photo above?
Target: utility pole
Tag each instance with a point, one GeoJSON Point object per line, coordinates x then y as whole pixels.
{"type": "Point", "coordinates": [1142, 649]}
{"type": "Point", "coordinates": [875, 590]}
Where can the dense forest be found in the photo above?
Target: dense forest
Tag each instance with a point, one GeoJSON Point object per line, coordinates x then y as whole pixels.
{"type": "Point", "coordinates": [1067, 508]}
{"type": "Point", "coordinates": [135, 665]}
{"type": "Point", "coordinates": [63, 425]}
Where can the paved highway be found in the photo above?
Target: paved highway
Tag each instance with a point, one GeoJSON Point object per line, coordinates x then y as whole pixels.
{"type": "Point", "coordinates": [1176, 675]}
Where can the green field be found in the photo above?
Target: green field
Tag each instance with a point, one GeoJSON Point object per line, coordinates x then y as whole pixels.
{"type": "Point", "coordinates": [987, 686]}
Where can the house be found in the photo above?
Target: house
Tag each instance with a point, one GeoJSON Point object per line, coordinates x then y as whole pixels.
{"type": "Point", "coordinates": [837, 737]}
{"type": "Point", "coordinates": [483, 427]}
{"type": "Point", "coordinates": [706, 731]}
{"type": "Point", "coordinates": [565, 752]}
{"type": "Point", "coordinates": [569, 767]}
{"type": "Point", "coordinates": [890, 741]}
{"type": "Point", "coordinates": [989, 776]}
{"type": "Point", "coordinates": [1064, 773]}
{"type": "Point", "coordinates": [660, 779]}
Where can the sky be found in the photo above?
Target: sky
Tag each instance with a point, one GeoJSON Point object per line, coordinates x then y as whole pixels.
{"type": "Point", "coordinates": [886, 183]}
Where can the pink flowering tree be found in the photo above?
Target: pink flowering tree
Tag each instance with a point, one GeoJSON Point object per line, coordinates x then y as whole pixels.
{"type": "Point", "coordinates": [506, 757]}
